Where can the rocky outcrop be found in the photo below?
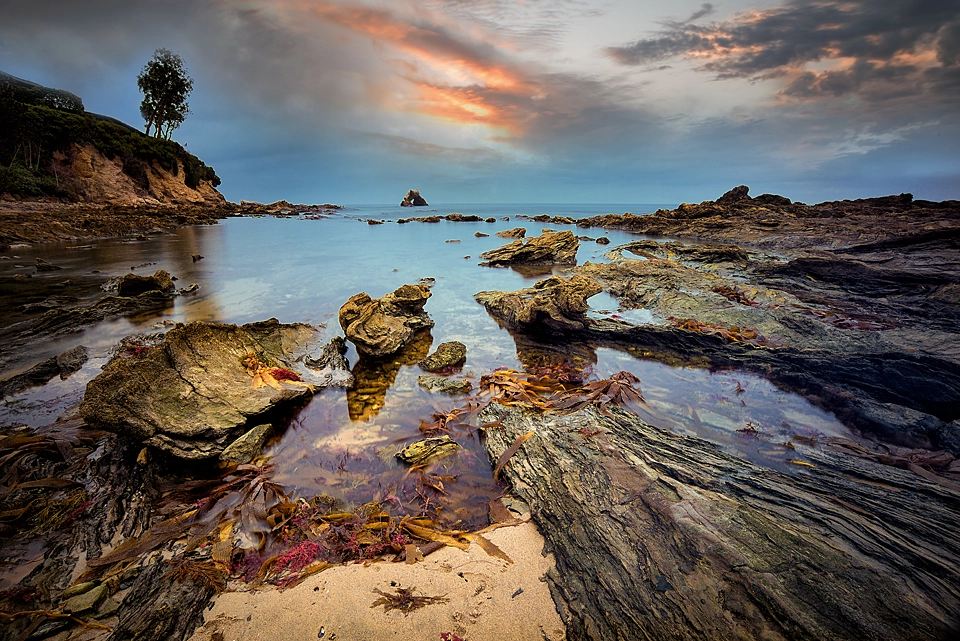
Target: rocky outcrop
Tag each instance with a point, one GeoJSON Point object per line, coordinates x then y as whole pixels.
{"type": "Point", "coordinates": [552, 305]}
{"type": "Point", "coordinates": [550, 248]}
{"type": "Point", "coordinates": [134, 285]}
{"type": "Point", "coordinates": [516, 232]}
{"type": "Point", "coordinates": [413, 199]}
{"type": "Point", "coordinates": [447, 356]}
{"type": "Point", "coordinates": [658, 536]}
{"type": "Point", "coordinates": [202, 384]}
{"type": "Point", "coordinates": [381, 326]}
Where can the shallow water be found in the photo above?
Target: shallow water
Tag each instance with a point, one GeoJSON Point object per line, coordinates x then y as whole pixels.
{"type": "Point", "coordinates": [342, 442]}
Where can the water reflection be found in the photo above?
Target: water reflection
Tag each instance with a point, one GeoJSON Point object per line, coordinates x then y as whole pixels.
{"type": "Point", "coordinates": [374, 376]}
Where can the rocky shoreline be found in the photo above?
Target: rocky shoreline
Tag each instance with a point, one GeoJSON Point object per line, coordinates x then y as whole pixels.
{"type": "Point", "coordinates": [853, 304]}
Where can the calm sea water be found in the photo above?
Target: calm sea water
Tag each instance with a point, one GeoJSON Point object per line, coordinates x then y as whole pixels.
{"type": "Point", "coordinates": [303, 270]}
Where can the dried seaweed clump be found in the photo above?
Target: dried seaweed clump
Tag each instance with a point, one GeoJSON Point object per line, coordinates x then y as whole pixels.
{"type": "Point", "coordinates": [405, 600]}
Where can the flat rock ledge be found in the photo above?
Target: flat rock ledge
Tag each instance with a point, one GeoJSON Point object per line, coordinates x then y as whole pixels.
{"type": "Point", "coordinates": [195, 391]}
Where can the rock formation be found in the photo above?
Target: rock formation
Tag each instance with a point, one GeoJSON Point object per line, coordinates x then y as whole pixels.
{"type": "Point", "coordinates": [194, 391]}
{"type": "Point", "coordinates": [134, 285]}
{"type": "Point", "coordinates": [550, 248]}
{"type": "Point", "coordinates": [413, 199]}
{"type": "Point", "coordinates": [381, 326]}
{"type": "Point", "coordinates": [552, 305]}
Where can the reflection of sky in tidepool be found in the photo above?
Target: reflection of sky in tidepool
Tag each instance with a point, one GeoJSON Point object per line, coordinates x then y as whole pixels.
{"type": "Point", "coordinates": [300, 270]}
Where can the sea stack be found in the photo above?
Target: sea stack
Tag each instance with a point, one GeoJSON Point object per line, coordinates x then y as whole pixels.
{"type": "Point", "coordinates": [413, 199]}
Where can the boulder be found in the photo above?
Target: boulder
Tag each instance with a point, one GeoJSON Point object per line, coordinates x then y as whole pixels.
{"type": "Point", "coordinates": [200, 386]}
{"type": "Point", "coordinates": [413, 199]}
{"type": "Point", "coordinates": [447, 356]}
{"type": "Point", "coordinates": [134, 285]}
{"type": "Point", "coordinates": [550, 248]}
{"type": "Point", "coordinates": [381, 326]}
{"type": "Point", "coordinates": [247, 447]}
{"type": "Point", "coordinates": [552, 305]}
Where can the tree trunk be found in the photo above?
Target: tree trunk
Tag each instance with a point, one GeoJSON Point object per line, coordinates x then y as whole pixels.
{"type": "Point", "coordinates": [658, 536]}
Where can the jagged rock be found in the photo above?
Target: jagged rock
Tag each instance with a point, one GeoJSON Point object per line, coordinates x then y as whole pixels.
{"type": "Point", "coordinates": [553, 304]}
{"type": "Point", "coordinates": [433, 383]}
{"type": "Point", "coordinates": [192, 393]}
{"type": "Point", "coordinates": [550, 248]}
{"type": "Point", "coordinates": [447, 355]}
{"type": "Point", "coordinates": [332, 363]}
{"type": "Point", "coordinates": [516, 232]}
{"type": "Point", "coordinates": [134, 285]}
{"type": "Point", "coordinates": [247, 447]}
{"type": "Point", "coordinates": [735, 195]}
{"type": "Point", "coordinates": [413, 199]}
{"type": "Point", "coordinates": [381, 326]}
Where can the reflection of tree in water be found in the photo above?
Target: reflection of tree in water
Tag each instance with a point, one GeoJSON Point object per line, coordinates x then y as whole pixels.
{"type": "Point", "coordinates": [373, 377]}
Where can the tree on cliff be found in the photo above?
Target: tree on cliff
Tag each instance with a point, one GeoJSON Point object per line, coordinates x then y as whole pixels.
{"type": "Point", "coordinates": [165, 86]}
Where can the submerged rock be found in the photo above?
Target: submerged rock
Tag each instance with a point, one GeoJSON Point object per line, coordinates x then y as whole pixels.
{"type": "Point", "coordinates": [427, 449]}
{"type": "Point", "coordinates": [381, 326]}
{"type": "Point", "coordinates": [550, 248]}
{"type": "Point", "coordinates": [413, 199]}
{"type": "Point", "coordinates": [199, 386]}
{"type": "Point", "coordinates": [447, 355]}
{"type": "Point", "coordinates": [433, 383]}
{"type": "Point", "coordinates": [553, 304]}
{"type": "Point", "coordinates": [44, 266]}
{"type": "Point", "coordinates": [134, 285]}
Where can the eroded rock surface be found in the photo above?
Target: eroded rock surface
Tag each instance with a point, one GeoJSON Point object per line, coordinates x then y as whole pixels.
{"type": "Point", "coordinates": [553, 304]}
{"type": "Point", "coordinates": [193, 393]}
{"type": "Point", "coordinates": [658, 536]}
{"type": "Point", "coordinates": [381, 326]}
{"type": "Point", "coordinates": [550, 248]}
{"type": "Point", "coordinates": [134, 284]}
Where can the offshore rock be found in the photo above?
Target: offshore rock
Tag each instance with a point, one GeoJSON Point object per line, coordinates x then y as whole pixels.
{"type": "Point", "coordinates": [552, 305]}
{"type": "Point", "coordinates": [191, 393]}
{"type": "Point", "coordinates": [550, 248]}
{"type": "Point", "coordinates": [447, 356]}
{"type": "Point", "coordinates": [381, 326]}
{"type": "Point", "coordinates": [516, 232]}
{"type": "Point", "coordinates": [134, 285]}
{"type": "Point", "coordinates": [413, 199]}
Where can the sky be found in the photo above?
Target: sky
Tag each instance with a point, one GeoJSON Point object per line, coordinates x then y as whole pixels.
{"type": "Point", "coordinates": [575, 101]}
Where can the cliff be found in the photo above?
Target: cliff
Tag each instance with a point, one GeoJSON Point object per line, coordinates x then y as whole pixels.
{"type": "Point", "coordinates": [52, 149]}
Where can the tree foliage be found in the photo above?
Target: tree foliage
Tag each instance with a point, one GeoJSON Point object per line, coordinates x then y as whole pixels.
{"type": "Point", "coordinates": [165, 86]}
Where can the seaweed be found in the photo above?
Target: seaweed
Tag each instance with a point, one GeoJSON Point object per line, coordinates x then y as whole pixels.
{"type": "Point", "coordinates": [405, 600]}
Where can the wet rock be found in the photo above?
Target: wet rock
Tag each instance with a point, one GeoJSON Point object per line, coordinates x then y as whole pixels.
{"type": "Point", "coordinates": [427, 449]}
{"type": "Point", "coordinates": [550, 248]}
{"type": "Point", "coordinates": [552, 305]}
{"type": "Point", "coordinates": [447, 356]}
{"type": "Point", "coordinates": [332, 363]}
{"type": "Point", "coordinates": [247, 447]}
{"type": "Point", "coordinates": [134, 285]}
{"type": "Point", "coordinates": [196, 390]}
{"type": "Point", "coordinates": [381, 326]}
{"type": "Point", "coordinates": [196, 257]}
{"type": "Point", "coordinates": [516, 232]}
{"type": "Point", "coordinates": [480, 234]}
{"type": "Point", "coordinates": [603, 240]}
{"type": "Point", "coordinates": [413, 199]}
{"type": "Point", "coordinates": [79, 588]}
{"type": "Point", "coordinates": [44, 266]}
{"type": "Point", "coordinates": [86, 601]}
{"type": "Point", "coordinates": [63, 365]}
{"type": "Point", "coordinates": [461, 218]}
{"type": "Point", "coordinates": [434, 383]}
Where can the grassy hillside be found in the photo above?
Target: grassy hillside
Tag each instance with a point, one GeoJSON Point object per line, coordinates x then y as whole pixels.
{"type": "Point", "coordinates": [37, 122]}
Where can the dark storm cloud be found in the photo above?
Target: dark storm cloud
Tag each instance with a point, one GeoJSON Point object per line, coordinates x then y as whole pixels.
{"type": "Point", "coordinates": [911, 42]}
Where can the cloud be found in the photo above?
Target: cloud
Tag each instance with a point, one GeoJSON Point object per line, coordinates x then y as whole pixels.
{"type": "Point", "coordinates": [822, 48]}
